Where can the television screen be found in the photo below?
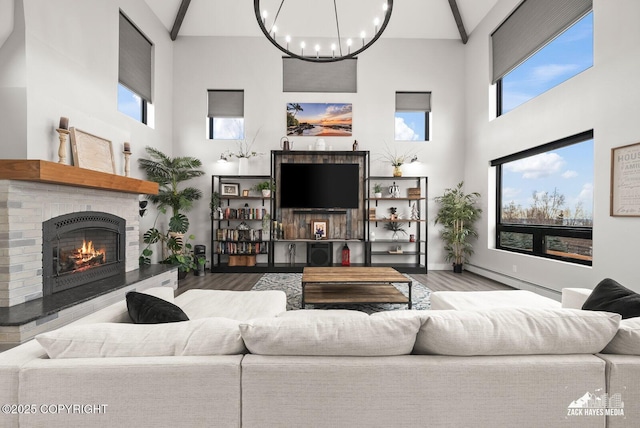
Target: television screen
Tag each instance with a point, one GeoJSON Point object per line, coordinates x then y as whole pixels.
{"type": "Point", "coordinates": [319, 185]}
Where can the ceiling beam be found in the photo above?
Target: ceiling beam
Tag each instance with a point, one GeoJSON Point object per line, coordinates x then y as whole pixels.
{"type": "Point", "coordinates": [459, 23]}
{"type": "Point", "coordinates": [182, 11]}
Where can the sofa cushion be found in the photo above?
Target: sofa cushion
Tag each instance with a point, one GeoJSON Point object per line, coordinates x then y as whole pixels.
{"type": "Point", "coordinates": [146, 309]}
{"type": "Point", "coordinates": [305, 333]}
{"type": "Point", "coordinates": [237, 305]}
{"type": "Point", "coordinates": [610, 296]}
{"type": "Point", "coordinates": [323, 314]}
{"type": "Point", "coordinates": [627, 339]}
{"type": "Point", "coordinates": [516, 331]}
{"type": "Point", "coordinates": [207, 336]}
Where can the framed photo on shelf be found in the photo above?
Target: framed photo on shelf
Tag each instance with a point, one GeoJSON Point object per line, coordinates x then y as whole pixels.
{"type": "Point", "coordinates": [230, 189]}
{"type": "Point", "coordinates": [319, 228]}
{"type": "Point", "coordinates": [625, 181]}
{"type": "Point", "coordinates": [245, 192]}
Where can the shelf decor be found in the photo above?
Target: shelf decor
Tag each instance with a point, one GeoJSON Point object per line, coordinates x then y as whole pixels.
{"type": "Point", "coordinates": [92, 152]}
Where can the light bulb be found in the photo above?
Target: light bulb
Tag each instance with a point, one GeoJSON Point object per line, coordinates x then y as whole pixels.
{"type": "Point", "coordinates": [275, 30]}
{"type": "Point", "coordinates": [376, 21]}
{"type": "Point", "coordinates": [349, 42]}
{"type": "Point", "coordinates": [385, 6]}
{"type": "Point", "coordinates": [317, 48]}
{"type": "Point", "coordinates": [302, 45]}
{"type": "Point", "coordinates": [287, 39]}
{"type": "Point", "coordinates": [333, 50]}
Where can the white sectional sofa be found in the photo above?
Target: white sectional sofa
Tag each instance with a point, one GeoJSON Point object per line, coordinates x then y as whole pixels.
{"type": "Point", "coordinates": [315, 368]}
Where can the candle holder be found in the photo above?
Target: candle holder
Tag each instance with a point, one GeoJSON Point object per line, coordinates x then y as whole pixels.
{"type": "Point", "coordinates": [127, 155]}
{"type": "Point", "coordinates": [62, 149]}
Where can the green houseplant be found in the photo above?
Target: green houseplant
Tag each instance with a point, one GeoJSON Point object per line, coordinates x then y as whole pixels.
{"type": "Point", "coordinates": [170, 173]}
{"type": "Point", "coordinates": [457, 213]}
{"type": "Point", "coordinates": [265, 187]}
{"type": "Point", "coordinates": [377, 190]}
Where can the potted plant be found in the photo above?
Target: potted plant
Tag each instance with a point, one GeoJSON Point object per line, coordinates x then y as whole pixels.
{"type": "Point", "coordinates": [214, 205]}
{"type": "Point", "coordinates": [396, 160]}
{"type": "Point", "coordinates": [458, 213]}
{"type": "Point", "coordinates": [265, 187]}
{"type": "Point", "coordinates": [169, 173]}
{"type": "Point", "coordinates": [377, 190]}
{"type": "Point", "coordinates": [395, 227]}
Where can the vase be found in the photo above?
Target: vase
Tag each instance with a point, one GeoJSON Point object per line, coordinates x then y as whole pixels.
{"type": "Point", "coordinates": [243, 166]}
{"type": "Point", "coordinates": [394, 237]}
{"type": "Point", "coordinates": [397, 172]}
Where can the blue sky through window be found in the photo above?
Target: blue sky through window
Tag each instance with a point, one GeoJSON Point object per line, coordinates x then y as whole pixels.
{"type": "Point", "coordinates": [567, 55]}
{"type": "Point", "coordinates": [568, 169]}
{"type": "Point", "coordinates": [129, 103]}
{"type": "Point", "coordinates": [410, 126]}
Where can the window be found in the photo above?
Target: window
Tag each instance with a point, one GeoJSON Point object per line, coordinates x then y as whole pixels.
{"type": "Point", "coordinates": [412, 116]}
{"type": "Point", "coordinates": [545, 200]}
{"type": "Point", "coordinates": [540, 45]}
{"type": "Point", "coordinates": [226, 114]}
{"type": "Point", "coordinates": [134, 71]}
{"type": "Point", "coordinates": [131, 103]}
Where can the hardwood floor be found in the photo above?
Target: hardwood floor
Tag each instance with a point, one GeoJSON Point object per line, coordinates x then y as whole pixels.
{"type": "Point", "coordinates": [437, 280]}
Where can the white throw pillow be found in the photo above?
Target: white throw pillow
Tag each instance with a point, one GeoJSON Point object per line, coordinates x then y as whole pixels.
{"type": "Point", "coordinates": [207, 336]}
{"type": "Point", "coordinates": [516, 331]}
{"type": "Point", "coordinates": [627, 339]}
{"type": "Point", "coordinates": [330, 335]}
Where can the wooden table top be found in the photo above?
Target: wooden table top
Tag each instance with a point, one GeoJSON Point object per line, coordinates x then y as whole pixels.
{"type": "Point", "coordinates": [356, 274]}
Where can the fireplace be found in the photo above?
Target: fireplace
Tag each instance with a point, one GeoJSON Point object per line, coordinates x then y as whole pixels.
{"type": "Point", "coordinates": [80, 248]}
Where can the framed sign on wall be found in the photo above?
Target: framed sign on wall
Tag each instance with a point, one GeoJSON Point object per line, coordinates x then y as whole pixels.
{"type": "Point", "coordinates": [625, 181]}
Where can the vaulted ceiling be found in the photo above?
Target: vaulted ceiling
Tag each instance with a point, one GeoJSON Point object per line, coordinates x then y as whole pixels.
{"type": "Point", "coordinates": [423, 19]}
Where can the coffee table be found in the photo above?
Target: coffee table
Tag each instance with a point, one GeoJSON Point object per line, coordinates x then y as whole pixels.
{"type": "Point", "coordinates": [323, 285]}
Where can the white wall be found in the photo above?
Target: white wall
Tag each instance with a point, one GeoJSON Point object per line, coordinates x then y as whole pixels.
{"type": "Point", "coordinates": [254, 65]}
{"type": "Point", "coordinates": [71, 51]}
{"type": "Point", "coordinates": [603, 98]}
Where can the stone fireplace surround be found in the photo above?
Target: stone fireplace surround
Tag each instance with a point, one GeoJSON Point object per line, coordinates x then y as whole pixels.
{"type": "Point", "coordinates": [32, 192]}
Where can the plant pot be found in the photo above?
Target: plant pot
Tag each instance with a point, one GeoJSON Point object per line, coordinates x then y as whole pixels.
{"type": "Point", "coordinates": [243, 166]}
{"type": "Point", "coordinates": [457, 268]}
{"type": "Point", "coordinates": [182, 274]}
{"type": "Point", "coordinates": [266, 193]}
{"type": "Point", "coordinates": [377, 195]}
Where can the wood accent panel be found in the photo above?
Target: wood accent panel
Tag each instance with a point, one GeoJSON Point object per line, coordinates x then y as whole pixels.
{"type": "Point", "coordinates": [340, 226]}
{"type": "Point", "coordinates": [55, 173]}
{"type": "Point", "coordinates": [352, 275]}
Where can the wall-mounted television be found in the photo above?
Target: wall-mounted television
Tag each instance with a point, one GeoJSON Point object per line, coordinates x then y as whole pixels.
{"type": "Point", "coordinates": [319, 185]}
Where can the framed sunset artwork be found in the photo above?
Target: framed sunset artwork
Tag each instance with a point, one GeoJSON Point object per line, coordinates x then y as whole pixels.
{"type": "Point", "coordinates": [319, 119]}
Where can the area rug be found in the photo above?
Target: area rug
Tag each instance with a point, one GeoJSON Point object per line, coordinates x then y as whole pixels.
{"type": "Point", "coordinates": [291, 284]}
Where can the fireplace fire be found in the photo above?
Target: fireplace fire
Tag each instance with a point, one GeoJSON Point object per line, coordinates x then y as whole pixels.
{"type": "Point", "coordinates": [81, 248]}
{"type": "Point", "coordinates": [82, 258]}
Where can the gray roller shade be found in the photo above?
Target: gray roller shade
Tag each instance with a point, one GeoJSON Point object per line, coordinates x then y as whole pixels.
{"type": "Point", "coordinates": [531, 26]}
{"type": "Point", "coordinates": [413, 101]}
{"type": "Point", "coordinates": [305, 76]}
{"type": "Point", "coordinates": [226, 103]}
{"type": "Point", "coordinates": [134, 67]}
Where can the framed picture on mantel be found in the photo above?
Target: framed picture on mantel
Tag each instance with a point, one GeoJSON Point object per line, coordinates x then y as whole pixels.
{"type": "Point", "coordinates": [625, 181]}
{"type": "Point", "coordinates": [92, 152]}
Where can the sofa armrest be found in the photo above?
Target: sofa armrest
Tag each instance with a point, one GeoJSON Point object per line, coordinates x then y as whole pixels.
{"type": "Point", "coordinates": [574, 298]}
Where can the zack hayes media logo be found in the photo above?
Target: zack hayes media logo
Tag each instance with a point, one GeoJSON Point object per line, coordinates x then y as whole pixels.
{"type": "Point", "coordinates": [597, 405]}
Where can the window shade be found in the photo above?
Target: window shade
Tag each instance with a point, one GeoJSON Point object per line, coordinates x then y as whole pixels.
{"type": "Point", "coordinates": [413, 101]}
{"type": "Point", "coordinates": [226, 103]}
{"type": "Point", "coordinates": [532, 25]}
{"type": "Point", "coordinates": [134, 69]}
{"type": "Point", "coordinates": [305, 76]}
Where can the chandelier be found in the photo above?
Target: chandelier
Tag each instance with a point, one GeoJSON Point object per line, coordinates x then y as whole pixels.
{"type": "Point", "coordinates": [325, 40]}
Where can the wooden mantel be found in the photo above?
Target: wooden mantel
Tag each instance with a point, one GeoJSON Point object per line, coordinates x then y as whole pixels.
{"type": "Point", "coordinates": [55, 173]}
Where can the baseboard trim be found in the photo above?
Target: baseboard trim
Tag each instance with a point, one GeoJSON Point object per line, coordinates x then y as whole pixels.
{"type": "Point", "coordinates": [514, 282]}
